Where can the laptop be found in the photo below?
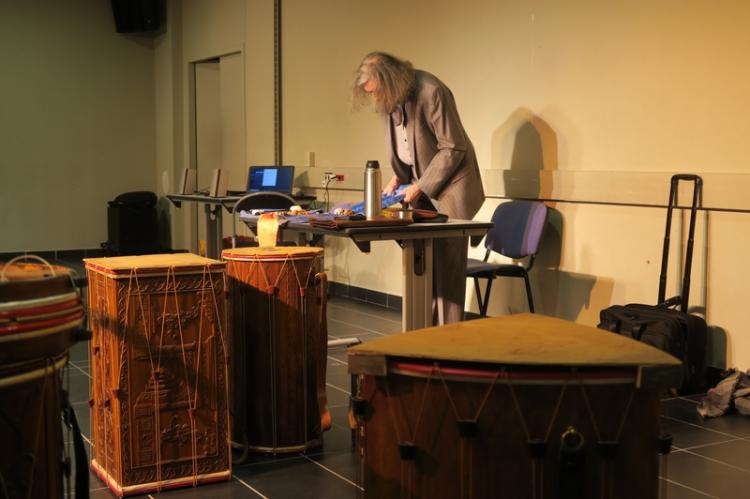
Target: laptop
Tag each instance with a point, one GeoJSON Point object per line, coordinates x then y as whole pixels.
{"type": "Point", "coordinates": [270, 178]}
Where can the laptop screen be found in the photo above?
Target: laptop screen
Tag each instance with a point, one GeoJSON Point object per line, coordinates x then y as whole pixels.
{"type": "Point", "coordinates": [270, 178]}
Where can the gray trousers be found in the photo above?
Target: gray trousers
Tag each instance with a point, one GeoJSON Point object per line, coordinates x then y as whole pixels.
{"type": "Point", "coordinates": [449, 279]}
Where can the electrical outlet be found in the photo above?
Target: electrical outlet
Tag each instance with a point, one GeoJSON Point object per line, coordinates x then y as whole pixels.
{"type": "Point", "coordinates": [329, 177]}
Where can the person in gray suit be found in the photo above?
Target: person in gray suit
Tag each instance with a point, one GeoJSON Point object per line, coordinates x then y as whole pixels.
{"type": "Point", "coordinates": [427, 146]}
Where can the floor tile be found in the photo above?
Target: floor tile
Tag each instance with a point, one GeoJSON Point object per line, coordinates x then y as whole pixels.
{"type": "Point", "coordinates": [707, 476]}
{"type": "Point", "coordinates": [677, 491]}
{"type": "Point", "coordinates": [310, 480]}
{"type": "Point", "coordinates": [79, 386]}
{"type": "Point", "coordinates": [688, 435]}
{"type": "Point", "coordinates": [734, 453]}
{"type": "Point", "coordinates": [225, 490]}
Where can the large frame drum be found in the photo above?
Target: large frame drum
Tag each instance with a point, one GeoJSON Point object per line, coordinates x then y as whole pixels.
{"type": "Point", "coordinates": [521, 406]}
{"type": "Point", "coordinates": [280, 336]}
{"type": "Point", "coordinates": [159, 372]}
{"type": "Point", "coordinates": [40, 319]}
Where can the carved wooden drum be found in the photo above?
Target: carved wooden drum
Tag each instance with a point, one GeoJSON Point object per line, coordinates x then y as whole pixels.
{"type": "Point", "coordinates": [40, 319]}
{"type": "Point", "coordinates": [520, 406]}
{"type": "Point", "coordinates": [280, 335]}
{"type": "Point", "coordinates": [159, 392]}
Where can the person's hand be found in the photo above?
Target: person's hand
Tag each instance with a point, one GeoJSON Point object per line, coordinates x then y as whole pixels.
{"type": "Point", "coordinates": [412, 193]}
{"type": "Point", "coordinates": [392, 186]}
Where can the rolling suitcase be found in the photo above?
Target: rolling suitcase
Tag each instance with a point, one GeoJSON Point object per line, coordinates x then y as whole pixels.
{"type": "Point", "coordinates": [673, 330]}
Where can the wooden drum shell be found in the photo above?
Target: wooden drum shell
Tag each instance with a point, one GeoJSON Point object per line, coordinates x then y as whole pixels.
{"type": "Point", "coordinates": [160, 415]}
{"type": "Point", "coordinates": [40, 319]}
{"type": "Point", "coordinates": [279, 338]}
{"type": "Point", "coordinates": [520, 406]}
{"type": "Point", "coordinates": [497, 462]}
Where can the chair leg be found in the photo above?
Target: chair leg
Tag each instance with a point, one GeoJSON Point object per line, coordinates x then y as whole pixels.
{"type": "Point", "coordinates": [483, 302]}
{"type": "Point", "coordinates": [478, 292]}
{"type": "Point", "coordinates": [486, 301]}
{"type": "Point", "coordinates": [528, 292]}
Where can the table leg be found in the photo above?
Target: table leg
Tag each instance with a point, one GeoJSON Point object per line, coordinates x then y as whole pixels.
{"type": "Point", "coordinates": [417, 284]}
{"type": "Point", "coordinates": [214, 231]}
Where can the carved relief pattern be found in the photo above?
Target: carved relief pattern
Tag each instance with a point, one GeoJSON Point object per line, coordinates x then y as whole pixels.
{"type": "Point", "coordinates": [134, 329]}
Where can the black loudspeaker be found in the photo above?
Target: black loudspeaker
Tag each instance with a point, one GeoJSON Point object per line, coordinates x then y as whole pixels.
{"type": "Point", "coordinates": [132, 225]}
{"type": "Point", "coordinates": [138, 16]}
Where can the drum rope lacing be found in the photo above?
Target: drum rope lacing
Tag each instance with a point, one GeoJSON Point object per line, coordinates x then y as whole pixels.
{"type": "Point", "coordinates": [49, 370]}
{"type": "Point", "coordinates": [537, 482]}
{"type": "Point", "coordinates": [406, 447]}
{"type": "Point", "coordinates": [607, 483]}
{"type": "Point", "coordinates": [206, 284]}
{"type": "Point", "coordinates": [473, 421]}
{"type": "Point", "coordinates": [257, 263]}
{"type": "Point", "coordinates": [133, 276]}
{"type": "Point", "coordinates": [102, 305]}
{"type": "Point", "coordinates": [224, 348]}
{"type": "Point", "coordinates": [48, 365]}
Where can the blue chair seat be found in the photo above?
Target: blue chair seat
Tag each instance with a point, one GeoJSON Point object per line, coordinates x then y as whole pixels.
{"type": "Point", "coordinates": [517, 232]}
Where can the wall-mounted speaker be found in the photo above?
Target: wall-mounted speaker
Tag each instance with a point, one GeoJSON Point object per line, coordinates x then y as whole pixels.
{"type": "Point", "coordinates": [138, 16]}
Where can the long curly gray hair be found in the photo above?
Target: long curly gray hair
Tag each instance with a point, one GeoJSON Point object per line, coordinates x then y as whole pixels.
{"type": "Point", "coordinates": [394, 78]}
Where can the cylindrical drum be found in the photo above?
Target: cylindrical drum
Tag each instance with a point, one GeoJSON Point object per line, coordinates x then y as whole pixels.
{"type": "Point", "coordinates": [159, 395]}
{"type": "Point", "coordinates": [515, 407]}
{"type": "Point", "coordinates": [278, 319]}
{"type": "Point", "coordinates": [40, 319]}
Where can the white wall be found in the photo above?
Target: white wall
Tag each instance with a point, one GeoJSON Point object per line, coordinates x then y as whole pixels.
{"type": "Point", "coordinates": [76, 122]}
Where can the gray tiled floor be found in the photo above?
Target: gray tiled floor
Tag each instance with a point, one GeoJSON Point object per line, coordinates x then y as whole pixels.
{"type": "Point", "coordinates": [709, 460]}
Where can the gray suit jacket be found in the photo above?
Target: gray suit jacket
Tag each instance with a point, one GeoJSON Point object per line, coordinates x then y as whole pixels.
{"type": "Point", "coordinates": [444, 157]}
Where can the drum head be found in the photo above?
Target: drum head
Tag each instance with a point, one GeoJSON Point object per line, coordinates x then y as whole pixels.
{"type": "Point", "coordinates": [270, 254]}
{"type": "Point", "coordinates": [32, 271]}
{"type": "Point", "coordinates": [148, 264]}
{"type": "Point", "coordinates": [29, 281]}
{"type": "Point", "coordinates": [39, 309]}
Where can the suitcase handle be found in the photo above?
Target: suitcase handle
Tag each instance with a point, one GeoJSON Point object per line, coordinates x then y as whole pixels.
{"type": "Point", "coordinates": [697, 196]}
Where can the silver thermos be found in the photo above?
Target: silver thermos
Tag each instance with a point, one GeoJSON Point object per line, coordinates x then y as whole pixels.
{"type": "Point", "coordinates": [373, 188]}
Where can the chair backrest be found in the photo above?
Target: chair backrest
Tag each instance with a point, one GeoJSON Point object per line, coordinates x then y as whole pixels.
{"type": "Point", "coordinates": [270, 200]}
{"type": "Point", "coordinates": [518, 228]}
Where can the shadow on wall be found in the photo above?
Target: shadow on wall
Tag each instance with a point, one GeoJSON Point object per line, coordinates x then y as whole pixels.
{"type": "Point", "coordinates": [527, 173]}
{"type": "Point", "coordinates": [716, 348]}
{"type": "Point", "coordinates": [532, 145]}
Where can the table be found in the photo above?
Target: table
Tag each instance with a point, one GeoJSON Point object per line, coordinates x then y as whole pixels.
{"type": "Point", "coordinates": [213, 209]}
{"type": "Point", "coordinates": [416, 241]}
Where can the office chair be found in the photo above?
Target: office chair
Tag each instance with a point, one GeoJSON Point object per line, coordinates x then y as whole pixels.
{"type": "Point", "coordinates": [516, 234]}
{"type": "Point", "coordinates": [265, 200]}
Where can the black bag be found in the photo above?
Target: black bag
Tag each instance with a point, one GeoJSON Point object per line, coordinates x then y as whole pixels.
{"type": "Point", "coordinates": [132, 224]}
{"type": "Point", "coordinates": [677, 332]}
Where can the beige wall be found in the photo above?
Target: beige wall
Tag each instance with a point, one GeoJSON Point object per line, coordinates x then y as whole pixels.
{"type": "Point", "coordinates": [580, 103]}
{"type": "Point", "coordinates": [76, 122]}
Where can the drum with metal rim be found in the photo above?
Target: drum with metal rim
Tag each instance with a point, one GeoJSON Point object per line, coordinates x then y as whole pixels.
{"type": "Point", "coordinates": [279, 329]}
{"type": "Point", "coordinates": [520, 406]}
{"type": "Point", "coordinates": [40, 319]}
